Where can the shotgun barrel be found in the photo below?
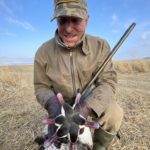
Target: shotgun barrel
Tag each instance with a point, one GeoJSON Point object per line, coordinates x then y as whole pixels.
{"type": "Point", "coordinates": [107, 59]}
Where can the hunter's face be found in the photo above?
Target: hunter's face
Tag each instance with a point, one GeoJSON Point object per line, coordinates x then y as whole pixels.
{"type": "Point", "coordinates": [71, 29]}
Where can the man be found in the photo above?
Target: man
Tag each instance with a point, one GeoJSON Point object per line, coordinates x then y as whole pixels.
{"type": "Point", "coordinates": [67, 62]}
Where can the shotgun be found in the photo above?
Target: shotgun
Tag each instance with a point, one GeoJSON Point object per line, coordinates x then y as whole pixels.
{"type": "Point", "coordinates": [89, 86]}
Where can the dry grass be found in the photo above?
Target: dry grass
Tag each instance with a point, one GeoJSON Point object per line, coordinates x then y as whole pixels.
{"type": "Point", "coordinates": [132, 66]}
{"type": "Point", "coordinates": [21, 116]}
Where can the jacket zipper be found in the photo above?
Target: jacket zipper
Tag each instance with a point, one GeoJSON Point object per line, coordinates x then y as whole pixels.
{"type": "Point", "coordinates": [72, 74]}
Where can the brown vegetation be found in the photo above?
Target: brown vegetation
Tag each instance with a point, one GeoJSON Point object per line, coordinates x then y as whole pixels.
{"type": "Point", "coordinates": [134, 66]}
{"type": "Point", "coordinates": [21, 116]}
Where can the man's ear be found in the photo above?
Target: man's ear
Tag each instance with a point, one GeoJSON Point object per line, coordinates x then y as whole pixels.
{"type": "Point", "coordinates": [86, 20]}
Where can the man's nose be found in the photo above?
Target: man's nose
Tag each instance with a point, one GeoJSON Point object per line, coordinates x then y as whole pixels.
{"type": "Point", "coordinates": [69, 26]}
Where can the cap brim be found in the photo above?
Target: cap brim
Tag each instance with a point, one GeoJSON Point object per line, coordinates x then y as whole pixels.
{"type": "Point", "coordinates": [69, 12]}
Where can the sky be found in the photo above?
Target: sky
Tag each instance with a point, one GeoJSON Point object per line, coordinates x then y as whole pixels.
{"type": "Point", "coordinates": [25, 25]}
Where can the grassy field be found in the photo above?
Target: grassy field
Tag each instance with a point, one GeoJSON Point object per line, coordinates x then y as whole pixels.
{"type": "Point", "coordinates": [134, 66]}
{"type": "Point", "coordinates": [21, 116]}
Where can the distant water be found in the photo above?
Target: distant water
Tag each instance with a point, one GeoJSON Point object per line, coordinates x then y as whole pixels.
{"type": "Point", "coordinates": [15, 61]}
{"type": "Point", "coordinates": [26, 61]}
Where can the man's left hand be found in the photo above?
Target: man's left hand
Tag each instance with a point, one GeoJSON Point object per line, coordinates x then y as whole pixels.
{"type": "Point", "coordinates": [110, 116]}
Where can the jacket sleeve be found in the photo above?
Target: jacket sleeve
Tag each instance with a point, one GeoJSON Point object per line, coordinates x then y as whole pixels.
{"type": "Point", "coordinates": [105, 85]}
{"type": "Point", "coordinates": [42, 84]}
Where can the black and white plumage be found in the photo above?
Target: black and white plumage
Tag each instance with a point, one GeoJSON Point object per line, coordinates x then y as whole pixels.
{"type": "Point", "coordinates": [73, 130]}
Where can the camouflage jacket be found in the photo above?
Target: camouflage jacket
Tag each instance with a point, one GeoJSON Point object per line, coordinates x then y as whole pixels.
{"type": "Point", "coordinates": [58, 69]}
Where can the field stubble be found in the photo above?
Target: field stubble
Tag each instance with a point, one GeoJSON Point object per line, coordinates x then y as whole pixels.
{"type": "Point", "coordinates": [21, 116]}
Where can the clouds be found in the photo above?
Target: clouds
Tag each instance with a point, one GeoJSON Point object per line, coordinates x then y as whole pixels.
{"type": "Point", "coordinates": [141, 44]}
{"type": "Point", "coordinates": [115, 18]}
{"type": "Point", "coordinates": [10, 11]}
{"type": "Point", "coordinates": [145, 35]}
{"type": "Point", "coordinates": [10, 34]}
{"type": "Point", "coordinates": [5, 7]}
{"type": "Point", "coordinates": [23, 24]}
{"type": "Point", "coordinates": [139, 40]}
{"type": "Point", "coordinates": [144, 31]}
{"type": "Point", "coordinates": [115, 22]}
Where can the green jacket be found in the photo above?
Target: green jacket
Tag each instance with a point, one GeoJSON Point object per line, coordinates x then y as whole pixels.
{"type": "Point", "coordinates": [58, 69]}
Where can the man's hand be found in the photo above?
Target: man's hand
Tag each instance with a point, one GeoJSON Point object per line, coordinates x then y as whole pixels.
{"type": "Point", "coordinates": [109, 119]}
{"type": "Point", "coordinates": [83, 109]}
{"type": "Point", "coordinates": [53, 107]}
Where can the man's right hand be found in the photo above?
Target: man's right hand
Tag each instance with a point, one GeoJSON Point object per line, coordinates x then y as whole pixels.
{"type": "Point", "coordinates": [53, 107]}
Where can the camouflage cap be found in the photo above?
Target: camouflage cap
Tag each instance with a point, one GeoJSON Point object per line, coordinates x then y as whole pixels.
{"type": "Point", "coordinates": [75, 8]}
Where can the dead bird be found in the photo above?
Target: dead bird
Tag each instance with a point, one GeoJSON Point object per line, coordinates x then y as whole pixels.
{"type": "Point", "coordinates": [72, 128]}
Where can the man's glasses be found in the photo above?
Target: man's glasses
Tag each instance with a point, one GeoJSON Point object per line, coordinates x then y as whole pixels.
{"type": "Point", "coordinates": [66, 20]}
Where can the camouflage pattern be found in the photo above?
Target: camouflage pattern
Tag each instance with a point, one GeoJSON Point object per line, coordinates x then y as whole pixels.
{"type": "Point", "coordinates": [75, 8]}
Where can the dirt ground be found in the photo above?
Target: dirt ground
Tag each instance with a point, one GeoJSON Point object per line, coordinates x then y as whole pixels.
{"type": "Point", "coordinates": [21, 116]}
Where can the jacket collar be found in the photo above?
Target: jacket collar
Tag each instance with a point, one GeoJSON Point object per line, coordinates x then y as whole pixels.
{"type": "Point", "coordinates": [82, 42]}
{"type": "Point", "coordinates": [85, 48]}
